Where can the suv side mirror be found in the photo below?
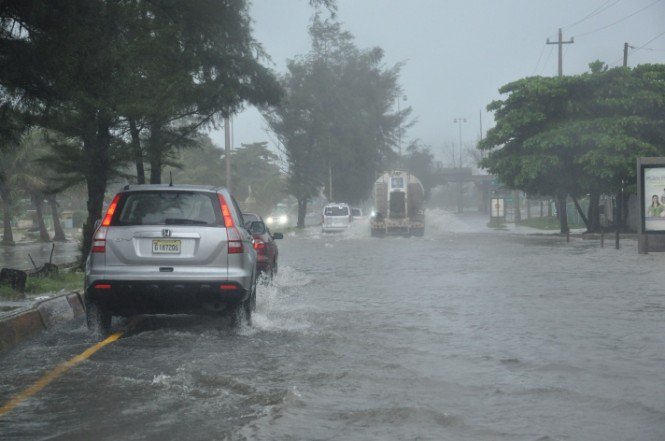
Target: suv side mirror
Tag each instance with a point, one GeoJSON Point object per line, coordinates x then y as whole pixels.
{"type": "Point", "coordinates": [277, 236]}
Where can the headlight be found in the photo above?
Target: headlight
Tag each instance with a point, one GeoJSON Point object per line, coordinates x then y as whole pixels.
{"type": "Point", "coordinates": [283, 219]}
{"type": "Point", "coordinates": [270, 220]}
{"type": "Point", "coordinates": [373, 213]}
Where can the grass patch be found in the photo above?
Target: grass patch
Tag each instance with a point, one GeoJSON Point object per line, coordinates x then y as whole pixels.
{"type": "Point", "coordinates": [67, 280]}
{"type": "Point", "coordinates": [545, 223]}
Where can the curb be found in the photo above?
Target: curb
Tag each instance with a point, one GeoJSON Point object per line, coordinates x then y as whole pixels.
{"type": "Point", "coordinates": [25, 323]}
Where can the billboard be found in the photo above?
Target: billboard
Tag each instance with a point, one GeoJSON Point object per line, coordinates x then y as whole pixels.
{"type": "Point", "coordinates": [653, 198]}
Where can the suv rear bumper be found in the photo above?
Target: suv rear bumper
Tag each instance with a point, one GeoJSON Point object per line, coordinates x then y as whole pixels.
{"type": "Point", "coordinates": [125, 298]}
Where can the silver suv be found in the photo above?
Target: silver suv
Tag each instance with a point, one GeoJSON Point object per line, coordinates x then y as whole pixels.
{"type": "Point", "coordinates": [170, 249]}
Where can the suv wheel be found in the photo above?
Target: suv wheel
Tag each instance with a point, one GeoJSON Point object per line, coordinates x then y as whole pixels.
{"type": "Point", "coordinates": [98, 319]}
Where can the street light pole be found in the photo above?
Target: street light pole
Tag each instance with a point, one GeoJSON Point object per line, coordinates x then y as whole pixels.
{"type": "Point", "coordinates": [459, 122]}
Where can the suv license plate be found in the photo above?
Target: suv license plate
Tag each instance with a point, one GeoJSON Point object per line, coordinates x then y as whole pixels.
{"type": "Point", "coordinates": [166, 247]}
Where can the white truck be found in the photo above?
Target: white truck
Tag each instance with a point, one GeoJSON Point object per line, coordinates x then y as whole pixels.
{"type": "Point", "coordinates": [398, 205]}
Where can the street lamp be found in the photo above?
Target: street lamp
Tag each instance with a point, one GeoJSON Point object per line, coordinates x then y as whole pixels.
{"type": "Point", "coordinates": [459, 122]}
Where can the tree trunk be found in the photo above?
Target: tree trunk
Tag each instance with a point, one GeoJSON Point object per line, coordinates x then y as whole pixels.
{"type": "Point", "coordinates": [36, 198]}
{"type": "Point", "coordinates": [562, 214]}
{"type": "Point", "coordinates": [549, 208]}
{"type": "Point", "coordinates": [302, 211]}
{"type": "Point", "coordinates": [96, 148]}
{"type": "Point", "coordinates": [58, 232]}
{"type": "Point", "coordinates": [542, 208]}
{"type": "Point", "coordinates": [624, 211]}
{"type": "Point", "coordinates": [155, 153]}
{"type": "Point", "coordinates": [594, 212]}
{"type": "Point", "coordinates": [581, 212]}
{"type": "Point", "coordinates": [7, 234]}
{"type": "Point", "coordinates": [137, 151]}
{"type": "Point", "coordinates": [516, 204]}
{"type": "Point", "coordinates": [528, 208]}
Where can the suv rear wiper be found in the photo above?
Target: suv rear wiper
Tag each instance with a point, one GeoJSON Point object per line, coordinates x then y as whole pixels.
{"type": "Point", "coordinates": [175, 221]}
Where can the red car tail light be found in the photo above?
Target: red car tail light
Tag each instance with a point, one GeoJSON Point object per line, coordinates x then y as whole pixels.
{"type": "Point", "coordinates": [234, 239]}
{"type": "Point", "coordinates": [99, 239]}
{"type": "Point", "coordinates": [259, 244]}
{"type": "Point", "coordinates": [226, 213]}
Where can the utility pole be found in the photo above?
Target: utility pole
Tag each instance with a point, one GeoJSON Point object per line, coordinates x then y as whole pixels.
{"type": "Point", "coordinates": [459, 122]}
{"type": "Point", "coordinates": [560, 43]}
{"type": "Point", "coordinates": [227, 151]}
{"type": "Point", "coordinates": [625, 54]}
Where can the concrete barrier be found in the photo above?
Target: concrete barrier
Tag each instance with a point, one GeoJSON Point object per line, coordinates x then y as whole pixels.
{"type": "Point", "coordinates": [25, 323]}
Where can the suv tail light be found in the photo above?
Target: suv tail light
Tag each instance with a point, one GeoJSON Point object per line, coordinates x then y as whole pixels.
{"type": "Point", "coordinates": [234, 239]}
{"type": "Point", "coordinates": [99, 239]}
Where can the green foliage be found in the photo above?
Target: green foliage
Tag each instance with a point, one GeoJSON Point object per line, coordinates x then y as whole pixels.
{"type": "Point", "coordinates": [64, 280]}
{"type": "Point", "coordinates": [419, 161]}
{"type": "Point", "coordinates": [253, 166]}
{"type": "Point", "coordinates": [337, 117]}
{"type": "Point", "coordinates": [92, 69]}
{"type": "Point", "coordinates": [576, 135]}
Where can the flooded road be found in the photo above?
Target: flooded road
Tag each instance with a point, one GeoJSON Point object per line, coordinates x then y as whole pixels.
{"type": "Point", "coordinates": [465, 334]}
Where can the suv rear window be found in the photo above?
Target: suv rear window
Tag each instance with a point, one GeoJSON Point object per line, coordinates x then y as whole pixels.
{"type": "Point", "coordinates": [337, 211]}
{"type": "Point", "coordinates": [167, 208]}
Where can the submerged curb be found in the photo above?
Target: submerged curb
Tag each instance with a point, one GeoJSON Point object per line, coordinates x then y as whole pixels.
{"type": "Point", "coordinates": [24, 323]}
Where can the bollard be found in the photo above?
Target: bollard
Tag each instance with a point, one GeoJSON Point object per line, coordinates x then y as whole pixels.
{"type": "Point", "coordinates": [568, 236]}
{"type": "Point", "coordinates": [616, 240]}
{"type": "Point", "coordinates": [602, 239]}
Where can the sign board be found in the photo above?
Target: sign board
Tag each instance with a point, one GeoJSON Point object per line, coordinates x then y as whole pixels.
{"type": "Point", "coordinates": [497, 207]}
{"type": "Point", "coordinates": [652, 179]}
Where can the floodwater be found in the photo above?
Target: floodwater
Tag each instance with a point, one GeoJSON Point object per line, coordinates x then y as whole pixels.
{"type": "Point", "coordinates": [465, 334]}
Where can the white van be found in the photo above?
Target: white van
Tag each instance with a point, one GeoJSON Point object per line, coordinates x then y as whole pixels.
{"type": "Point", "coordinates": [336, 217]}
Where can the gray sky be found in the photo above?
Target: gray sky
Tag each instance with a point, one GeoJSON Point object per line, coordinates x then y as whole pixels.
{"type": "Point", "coordinates": [458, 53]}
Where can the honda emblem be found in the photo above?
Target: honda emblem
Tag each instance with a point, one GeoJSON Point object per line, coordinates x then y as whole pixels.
{"type": "Point", "coordinates": [166, 233]}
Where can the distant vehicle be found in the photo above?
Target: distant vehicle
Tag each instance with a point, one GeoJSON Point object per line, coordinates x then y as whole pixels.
{"type": "Point", "coordinates": [398, 202]}
{"type": "Point", "coordinates": [170, 249]}
{"type": "Point", "coordinates": [280, 216]}
{"type": "Point", "coordinates": [335, 217]}
{"type": "Point", "coordinates": [264, 244]}
{"type": "Point", "coordinates": [357, 215]}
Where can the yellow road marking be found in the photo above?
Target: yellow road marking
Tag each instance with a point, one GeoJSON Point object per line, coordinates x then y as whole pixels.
{"type": "Point", "coordinates": [58, 371]}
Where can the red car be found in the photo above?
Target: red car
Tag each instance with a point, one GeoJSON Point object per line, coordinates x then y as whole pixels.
{"type": "Point", "coordinates": [264, 244]}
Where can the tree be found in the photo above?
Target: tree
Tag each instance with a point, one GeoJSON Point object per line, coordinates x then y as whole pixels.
{"type": "Point", "coordinates": [577, 135]}
{"type": "Point", "coordinates": [87, 68]}
{"type": "Point", "coordinates": [419, 161]}
{"type": "Point", "coordinates": [258, 179]}
{"type": "Point", "coordinates": [337, 122]}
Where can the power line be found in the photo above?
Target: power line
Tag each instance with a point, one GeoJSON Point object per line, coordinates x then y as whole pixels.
{"type": "Point", "coordinates": [653, 39]}
{"type": "Point", "coordinates": [643, 47]}
{"type": "Point", "coordinates": [549, 55]}
{"type": "Point", "coordinates": [593, 13]}
{"type": "Point", "coordinates": [535, 70]}
{"type": "Point", "coordinates": [618, 21]}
